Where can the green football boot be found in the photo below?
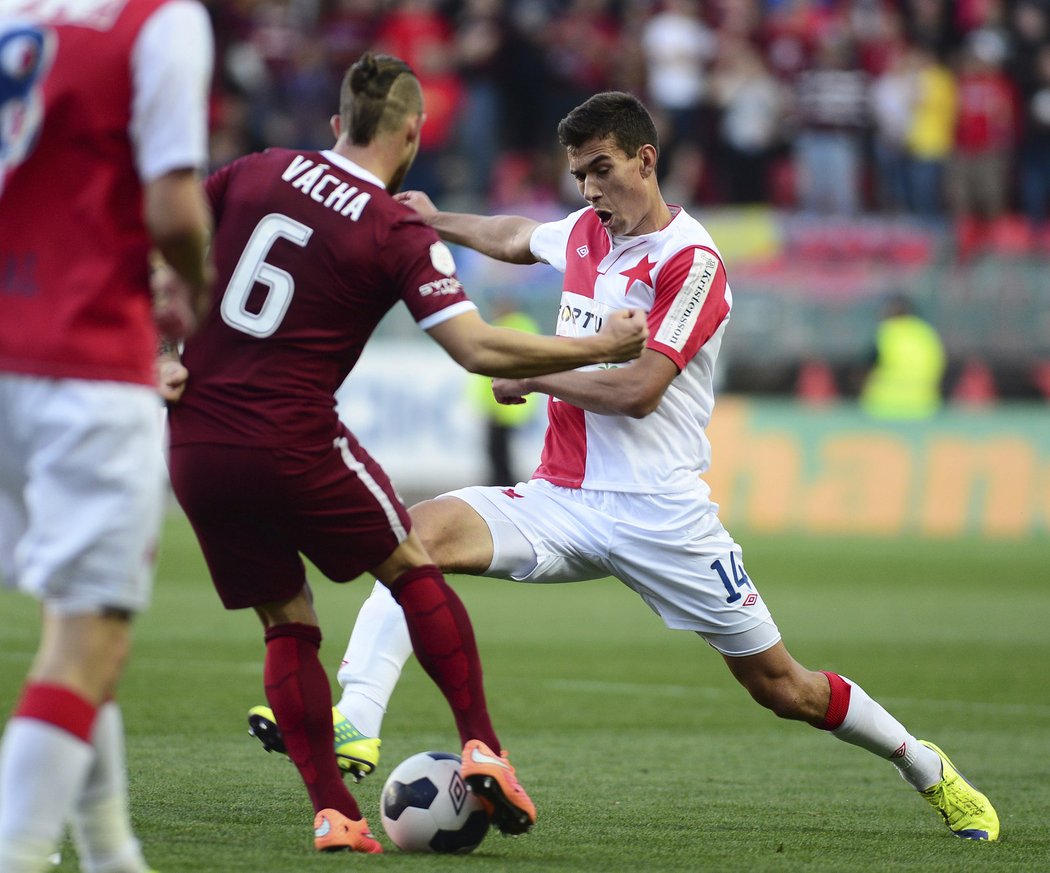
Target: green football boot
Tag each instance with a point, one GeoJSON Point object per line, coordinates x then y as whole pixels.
{"type": "Point", "coordinates": [355, 753]}
{"type": "Point", "coordinates": [967, 812]}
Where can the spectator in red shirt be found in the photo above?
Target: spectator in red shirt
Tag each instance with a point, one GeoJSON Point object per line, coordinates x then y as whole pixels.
{"type": "Point", "coordinates": [979, 169]}
{"type": "Point", "coordinates": [417, 32]}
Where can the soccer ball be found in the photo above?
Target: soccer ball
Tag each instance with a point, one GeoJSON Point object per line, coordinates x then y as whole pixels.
{"type": "Point", "coordinates": [427, 806]}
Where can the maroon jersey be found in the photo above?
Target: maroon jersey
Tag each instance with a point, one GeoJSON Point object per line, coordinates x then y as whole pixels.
{"type": "Point", "coordinates": [311, 253]}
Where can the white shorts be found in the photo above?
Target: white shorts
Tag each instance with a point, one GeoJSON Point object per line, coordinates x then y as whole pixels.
{"type": "Point", "coordinates": [81, 491]}
{"type": "Point", "coordinates": [670, 549]}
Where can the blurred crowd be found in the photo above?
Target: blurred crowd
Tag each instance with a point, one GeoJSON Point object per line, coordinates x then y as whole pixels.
{"type": "Point", "coordinates": [938, 109]}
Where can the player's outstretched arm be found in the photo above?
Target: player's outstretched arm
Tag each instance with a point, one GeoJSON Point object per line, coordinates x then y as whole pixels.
{"type": "Point", "coordinates": [633, 391]}
{"type": "Point", "coordinates": [503, 237]}
{"type": "Point", "coordinates": [499, 351]}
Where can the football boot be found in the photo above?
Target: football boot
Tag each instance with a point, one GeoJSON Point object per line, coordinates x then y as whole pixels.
{"type": "Point", "coordinates": [334, 832]}
{"type": "Point", "coordinates": [966, 811]}
{"type": "Point", "coordinates": [491, 777]}
{"type": "Point", "coordinates": [355, 753]}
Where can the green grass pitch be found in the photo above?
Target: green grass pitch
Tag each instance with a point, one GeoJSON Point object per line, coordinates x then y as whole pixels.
{"type": "Point", "coordinates": [639, 750]}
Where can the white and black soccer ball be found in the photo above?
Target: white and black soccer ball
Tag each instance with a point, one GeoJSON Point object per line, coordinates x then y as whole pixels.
{"type": "Point", "coordinates": [427, 806]}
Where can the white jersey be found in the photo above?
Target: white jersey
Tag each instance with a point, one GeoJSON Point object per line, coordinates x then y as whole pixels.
{"type": "Point", "coordinates": [677, 276]}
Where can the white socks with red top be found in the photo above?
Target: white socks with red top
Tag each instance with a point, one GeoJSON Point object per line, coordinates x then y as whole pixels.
{"type": "Point", "coordinates": [62, 762]}
{"type": "Point", "coordinates": [101, 819]}
{"type": "Point", "coordinates": [45, 758]}
{"type": "Point", "coordinates": [856, 718]}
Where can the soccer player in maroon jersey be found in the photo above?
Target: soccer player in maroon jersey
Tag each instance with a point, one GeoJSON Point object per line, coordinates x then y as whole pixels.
{"type": "Point", "coordinates": [103, 126]}
{"type": "Point", "coordinates": [311, 250]}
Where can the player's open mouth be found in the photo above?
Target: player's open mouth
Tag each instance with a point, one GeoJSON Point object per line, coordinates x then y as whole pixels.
{"type": "Point", "coordinates": [604, 216]}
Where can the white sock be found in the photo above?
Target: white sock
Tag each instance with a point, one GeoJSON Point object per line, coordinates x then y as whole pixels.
{"type": "Point", "coordinates": [378, 649]}
{"type": "Point", "coordinates": [42, 772]}
{"type": "Point", "coordinates": [101, 820]}
{"type": "Point", "coordinates": [871, 727]}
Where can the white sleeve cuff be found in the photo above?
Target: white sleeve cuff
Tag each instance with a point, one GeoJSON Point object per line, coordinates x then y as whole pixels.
{"type": "Point", "coordinates": [171, 76]}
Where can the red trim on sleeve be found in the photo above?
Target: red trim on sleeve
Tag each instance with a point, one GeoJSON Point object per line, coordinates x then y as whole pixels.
{"type": "Point", "coordinates": [58, 706]}
{"type": "Point", "coordinates": [680, 279]}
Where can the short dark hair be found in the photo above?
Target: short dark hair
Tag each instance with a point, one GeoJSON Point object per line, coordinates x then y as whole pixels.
{"type": "Point", "coordinates": [610, 113]}
{"type": "Point", "coordinates": [378, 91]}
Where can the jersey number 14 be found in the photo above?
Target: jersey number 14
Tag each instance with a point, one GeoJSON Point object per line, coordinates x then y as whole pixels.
{"type": "Point", "coordinates": [739, 579]}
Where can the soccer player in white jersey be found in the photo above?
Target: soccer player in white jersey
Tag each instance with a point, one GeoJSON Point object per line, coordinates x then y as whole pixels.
{"type": "Point", "coordinates": [103, 129]}
{"type": "Point", "coordinates": [622, 461]}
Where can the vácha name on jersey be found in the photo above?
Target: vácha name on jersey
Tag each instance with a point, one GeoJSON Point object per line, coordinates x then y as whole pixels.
{"type": "Point", "coordinates": [322, 187]}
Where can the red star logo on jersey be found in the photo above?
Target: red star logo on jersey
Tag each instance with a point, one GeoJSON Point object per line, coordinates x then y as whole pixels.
{"type": "Point", "coordinates": [640, 272]}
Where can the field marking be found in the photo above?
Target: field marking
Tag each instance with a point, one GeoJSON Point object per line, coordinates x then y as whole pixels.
{"type": "Point", "coordinates": [597, 686]}
{"type": "Point", "coordinates": [209, 664]}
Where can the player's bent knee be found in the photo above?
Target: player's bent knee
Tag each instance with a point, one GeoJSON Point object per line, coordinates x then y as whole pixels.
{"type": "Point", "coordinates": [455, 536]}
{"type": "Point", "coordinates": [296, 610]}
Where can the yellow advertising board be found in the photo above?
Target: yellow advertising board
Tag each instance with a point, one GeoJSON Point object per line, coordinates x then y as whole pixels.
{"type": "Point", "coordinates": [782, 467]}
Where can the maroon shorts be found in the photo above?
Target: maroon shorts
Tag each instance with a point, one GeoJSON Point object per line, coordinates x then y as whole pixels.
{"type": "Point", "coordinates": [255, 510]}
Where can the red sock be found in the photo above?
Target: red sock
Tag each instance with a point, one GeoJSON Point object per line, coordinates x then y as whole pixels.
{"type": "Point", "coordinates": [839, 702]}
{"type": "Point", "coordinates": [298, 691]}
{"type": "Point", "coordinates": [443, 639]}
{"type": "Point", "coordinates": [59, 706]}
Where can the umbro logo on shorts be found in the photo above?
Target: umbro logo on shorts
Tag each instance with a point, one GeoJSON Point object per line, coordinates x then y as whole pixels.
{"type": "Point", "coordinates": [750, 600]}
{"type": "Point", "coordinates": [582, 251]}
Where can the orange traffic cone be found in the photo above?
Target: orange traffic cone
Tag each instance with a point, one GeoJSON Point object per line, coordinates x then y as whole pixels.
{"type": "Point", "coordinates": [976, 385]}
{"type": "Point", "coordinates": [816, 384]}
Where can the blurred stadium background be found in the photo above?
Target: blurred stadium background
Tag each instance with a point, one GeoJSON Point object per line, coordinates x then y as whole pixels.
{"type": "Point", "coordinates": [838, 150]}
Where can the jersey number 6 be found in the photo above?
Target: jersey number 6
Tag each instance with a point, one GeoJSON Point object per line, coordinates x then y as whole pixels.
{"type": "Point", "coordinates": [252, 268]}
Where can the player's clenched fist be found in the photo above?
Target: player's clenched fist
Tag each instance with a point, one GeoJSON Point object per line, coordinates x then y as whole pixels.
{"type": "Point", "coordinates": [626, 330]}
{"type": "Point", "coordinates": [418, 201]}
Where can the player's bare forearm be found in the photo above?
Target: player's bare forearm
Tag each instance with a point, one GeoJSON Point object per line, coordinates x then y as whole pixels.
{"type": "Point", "coordinates": [178, 219]}
{"type": "Point", "coordinates": [634, 390]}
{"type": "Point", "coordinates": [174, 310]}
{"type": "Point", "coordinates": [495, 351]}
{"type": "Point", "coordinates": [503, 237]}
{"type": "Point", "coordinates": [539, 355]}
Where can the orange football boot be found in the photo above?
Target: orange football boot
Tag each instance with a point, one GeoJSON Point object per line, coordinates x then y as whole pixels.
{"type": "Point", "coordinates": [491, 777]}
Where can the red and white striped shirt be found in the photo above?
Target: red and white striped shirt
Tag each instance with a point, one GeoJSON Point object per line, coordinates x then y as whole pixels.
{"type": "Point", "coordinates": [677, 276]}
{"type": "Point", "coordinates": [97, 97]}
